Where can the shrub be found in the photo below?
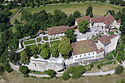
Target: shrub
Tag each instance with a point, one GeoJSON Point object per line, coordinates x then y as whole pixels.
{"type": "Point", "coordinates": [8, 68]}
{"type": "Point", "coordinates": [24, 70]}
{"type": "Point", "coordinates": [119, 70]}
{"type": "Point", "coordinates": [51, 73]}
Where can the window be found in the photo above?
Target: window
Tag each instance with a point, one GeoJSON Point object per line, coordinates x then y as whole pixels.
{"type": "Point", "coordinates": [80, 55]}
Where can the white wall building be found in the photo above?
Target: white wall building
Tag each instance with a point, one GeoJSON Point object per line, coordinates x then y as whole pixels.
{"type": "Point", "coordinates": [109, 43]}
{"type": "Point", "coordinates": [106, 23]}
{"type": "Point", "coordinates": [56, 32]}
{"type": "Point", "coordinates": [86, 50]}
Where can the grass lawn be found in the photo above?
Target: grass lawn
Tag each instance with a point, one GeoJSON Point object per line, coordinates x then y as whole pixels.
{"type": "Point", "coordinates": [29, 42]}
{"type": "Point", "coordinates": [53, 42]}
{"type": "Point", "coordinates": [14, 77]}
{"type": "Point", "coordinates": [99, 8]}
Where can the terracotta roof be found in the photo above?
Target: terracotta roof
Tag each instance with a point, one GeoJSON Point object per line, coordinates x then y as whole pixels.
{"type": "Point", "coordinates": [73, 27]}
{"type": "Point", "coordinates": [98, 19]}
{"type": "Point", "coordinates": [100, 50]}
{"type": "Point", "coordinates": [83, 46]}
{"type": "Point", "coordinates": [105, 19]}
{"type": "Point", "coordinates": [109, 19]}
{"type": "Point", "coordinates": [105, 40]}
{"type": "Point", "coordinates": [112, 36]}
{"type": "Point", "coordinates": [87, 18]}
{"type": "Point", "coordinates": [56, 30]}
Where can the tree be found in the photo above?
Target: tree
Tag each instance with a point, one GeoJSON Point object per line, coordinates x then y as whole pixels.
{"type": "Point", "coordinates": [25, 15]}
{"type": "Point", "coordinates": [23, 57]}
{"type": "Point", "coordinates": [14, 57]}
{"type": "Point", "coordinates": [89, 11]}
{"type": "Point", "coordinates": [54, 49]}
{"type": "Point", "coordinates": [64, 47]}
{"type": "Point", "coordinates": [59, 17]}
{"type": "Point", "coordinates": [8, 68]}
{"type": "Point", "coordinates": [24, 70]}
{"type": "Point", "coordinates": [119, 70]}
{"type": "Point", "coordinates": [70, 34]}
{"type": "Point", "coordinates": [51, 73]}
{"type": "Point", "coordinates": [83, 26]}
{"type": "Point", "coordinates": [34, 50]}
{"type": "Point", "coordinates": [76, 14]}
{"type": "Point", "coordinates": [44, 54]}
{"type": "Point", "coordinates": [70, 21]}
{"type": "Point", "coordinates": [80, 70]}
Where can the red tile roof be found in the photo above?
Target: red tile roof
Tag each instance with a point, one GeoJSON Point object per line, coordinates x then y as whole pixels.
{"type": "Point", "coordinates": [109, 19]}
{"type": "Point", "coordinates": [87, 18]}
{"type": "Point", "coordinates": [73, 27]}
{"type": "Point", "coordinates": [83, 46]}
{"type": "Point", "coordinates": [105, 19]}
{"type": "Point", "coordinates": [98, 19]}
{"type": "Point", "coordinates": [56, 30]}
{"type": "Point", "coordinates": [105, 40]}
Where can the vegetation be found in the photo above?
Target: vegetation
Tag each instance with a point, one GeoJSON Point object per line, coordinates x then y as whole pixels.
{"type": "Point", "coordinates": [24, 70]}
{"type": "Point", "coordinates": [23, 57]}
{"type": "Point", "coordinates": [1, 70]}
{"type": "Point", "coordinates": [52, 73]}
{"type": "Point", "coordinates": [45, 38]}
{"type": "Point", "coordinates": [71, 72]}
{"type": "Point", "coordinates": [29, 42]}
{"type": "Point", "coordinates": [119, 70]}
{"type": "Point", "coordinates": [44, 54]}
{"type": "Point", "coordinates": [38, 39]}
{"type": "Point", "coordinates": [54, 49]}
{"type": "Point", "coordinates": [65, 47]}
{"type": "Point", "coordinates": [70, 34]}
{"type": "Point", "coordinates": [83, 26]}
{"type": "Point", "coordinates": [89, 11]}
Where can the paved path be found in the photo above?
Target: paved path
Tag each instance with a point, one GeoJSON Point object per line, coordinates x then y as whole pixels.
{"type": "Point", "coordinates": [99, 73]}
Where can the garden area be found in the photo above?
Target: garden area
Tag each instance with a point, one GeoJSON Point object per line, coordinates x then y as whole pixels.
{"type": "Point", "coordinates": [39, 39]}
{"type": "Point", "coordinates": [29, 42]}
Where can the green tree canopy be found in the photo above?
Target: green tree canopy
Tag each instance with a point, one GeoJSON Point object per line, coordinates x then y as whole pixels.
{"type": "Point", "coordinates": [76, 14]}
{"type": "Point", "coordinates": [70, 34]}
{"type": "Point", "coordinates": [65, 46]}
{"type": "Point", "coordinates": [54, 50]}
{"type": "Point", "coordinates": [83, 26]}
{"type": "Point", "coordinates": [89, 11]}
{"type": "Point", "coordinates": [23, 57]}
{"type": "Point", "coordinates": [50, 72]}
{"type": "Point", "coordinates": [24, 70]}
{"type": "Point", "coordinates": [44, 54]}
{"type": "Point", "coordinates": [119, 70]}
